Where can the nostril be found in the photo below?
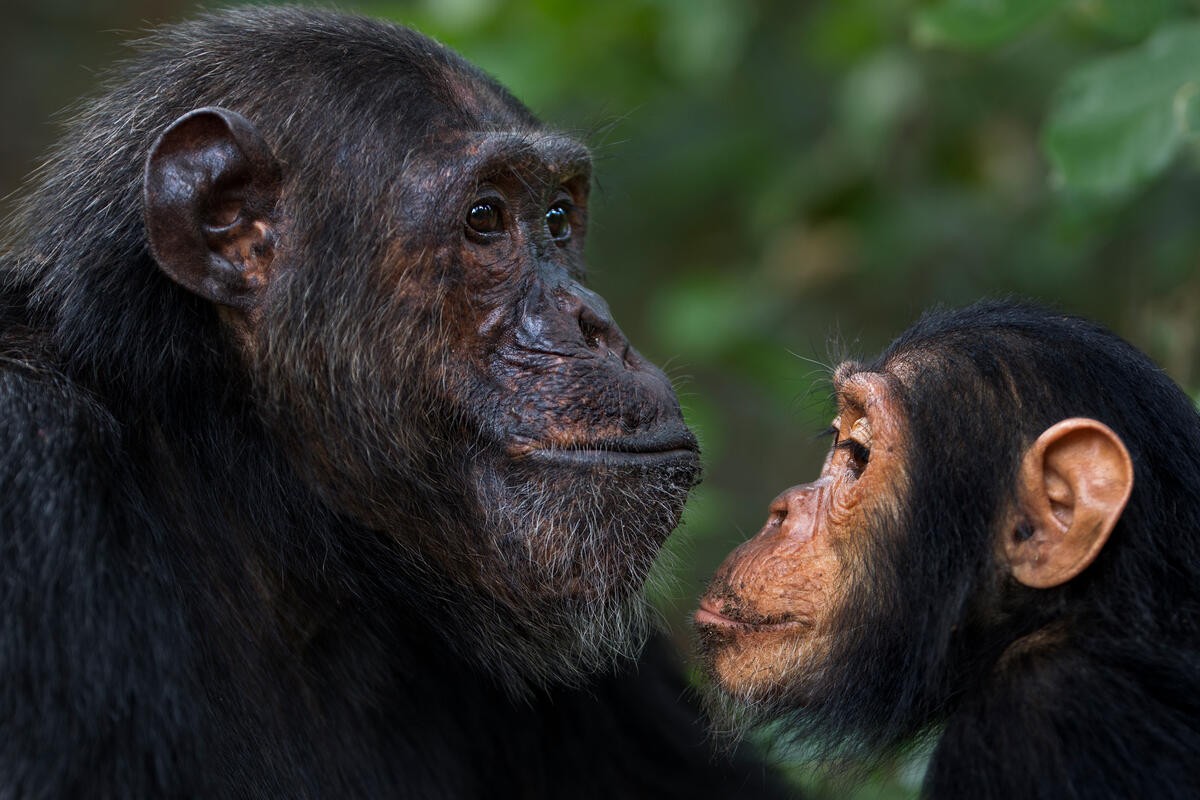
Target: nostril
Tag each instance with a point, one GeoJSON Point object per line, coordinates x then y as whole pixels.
{"type": "Point", "coordinates": [593, 334]}
{"type": "Point", "coordinates": [779, 508]}
{"type": "Point", "coordinates": [595, 329]}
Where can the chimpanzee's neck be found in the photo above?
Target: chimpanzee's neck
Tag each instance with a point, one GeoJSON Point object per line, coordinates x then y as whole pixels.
{"type": "Point", "coordinates": [1075, 717]}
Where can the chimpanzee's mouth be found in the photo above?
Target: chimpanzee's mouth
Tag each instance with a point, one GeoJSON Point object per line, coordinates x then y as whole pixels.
{"type": "Point", "coordinates": [587, 456]}
{"type": "Point", "coordinates": [676, 446]}
{"type": "Point", "coordinates": [714, 613]}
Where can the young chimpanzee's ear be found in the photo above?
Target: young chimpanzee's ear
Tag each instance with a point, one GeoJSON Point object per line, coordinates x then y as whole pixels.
{"type": "Point", "coordinates": [1074, 483]}
{"type": "Point", "coordinates": [210, 190]}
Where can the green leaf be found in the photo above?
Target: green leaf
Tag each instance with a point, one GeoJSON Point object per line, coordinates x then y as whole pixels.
{"type": "Point", "coordinates": [976, 24]}
{"type": "Point", "coordinates": [1125, 19]}
{"type": "Point", "coordinates": [1119, 121]}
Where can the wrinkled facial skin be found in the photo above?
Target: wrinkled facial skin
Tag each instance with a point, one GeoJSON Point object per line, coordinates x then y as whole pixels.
{"type": "Point", "coordinates": [483, 407]}
{"type": "Point", "coordinates": [578, 437]}
{"type": "Point", "coordinates": [766, 620]}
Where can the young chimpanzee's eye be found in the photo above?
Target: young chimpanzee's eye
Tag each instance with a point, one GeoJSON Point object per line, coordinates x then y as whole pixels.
{"type": "Point", "coordinates": [558, 221]}
{"type": "Point", "coordinates": [485, 217]}
{"type": "Point", "coordinates": [859, 455]}
{"type": "Point", "coordinates": [857, 443]}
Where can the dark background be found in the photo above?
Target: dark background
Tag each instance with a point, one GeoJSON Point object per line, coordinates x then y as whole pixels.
{"type": "Point", "coordinates": [780, 184]}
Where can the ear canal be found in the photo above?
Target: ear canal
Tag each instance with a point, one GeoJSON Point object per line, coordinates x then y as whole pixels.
{"type": "Point", "coordinates": [1074, 483]}
{"type": "Point", "coordinates": [210, 189]}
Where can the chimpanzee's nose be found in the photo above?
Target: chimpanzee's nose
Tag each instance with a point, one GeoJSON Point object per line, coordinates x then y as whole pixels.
{"type": "Point", "coordinates": [595, 322]}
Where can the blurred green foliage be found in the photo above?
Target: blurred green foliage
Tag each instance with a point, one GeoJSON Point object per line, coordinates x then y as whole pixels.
{"type": "Point", "coordinates": [781, 184]}
{"type": "Point", "coordinates": [1120, 120]}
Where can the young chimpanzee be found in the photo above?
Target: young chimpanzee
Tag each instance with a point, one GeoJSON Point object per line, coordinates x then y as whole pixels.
{"type": "Point", "coordinates": [1004, 541]}
{"type": "Point", "coordinates": [323, 474]}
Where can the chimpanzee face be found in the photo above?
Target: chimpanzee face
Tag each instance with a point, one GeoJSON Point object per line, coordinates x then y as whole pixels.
{"type": "Point", "coordinates": [917, 554]}
{"type": "Point", "coordinates": [419, 330]}
{"type": "Point", "coordinates": [768, 615]}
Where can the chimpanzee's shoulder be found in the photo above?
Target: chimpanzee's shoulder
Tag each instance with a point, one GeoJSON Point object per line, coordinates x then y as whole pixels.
{"type": "Point", "coordinates": [56, 445]}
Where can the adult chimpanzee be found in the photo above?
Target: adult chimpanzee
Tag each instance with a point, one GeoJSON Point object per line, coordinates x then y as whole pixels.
{"type": "Point", "coordinates": [1005, 539]}
{"type": "Point", "coordinates": [323, 473]}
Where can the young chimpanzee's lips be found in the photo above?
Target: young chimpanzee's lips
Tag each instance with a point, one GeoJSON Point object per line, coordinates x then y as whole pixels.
{"type": "Point", "coordinates": [714, 612]}
{"type": "Point", "coordinates": [709, 613]}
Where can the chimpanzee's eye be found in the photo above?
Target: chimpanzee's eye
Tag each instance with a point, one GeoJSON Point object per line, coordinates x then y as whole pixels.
{"type": "Point", "coordinates": [485, 217]}
{"type": "Point", "coordinates": [859, 456]}
{"type": "Point", "coordinates": [558, 221]}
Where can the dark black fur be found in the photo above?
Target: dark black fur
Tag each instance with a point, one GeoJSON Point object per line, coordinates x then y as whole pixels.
{"type": "Point", "coordinates": [181, 612]}
{"type": "Point", "coordinates": [1088, 690]}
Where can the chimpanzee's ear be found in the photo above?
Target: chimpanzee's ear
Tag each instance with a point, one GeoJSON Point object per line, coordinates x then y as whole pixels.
{"type": "Point", "coordinates": [1074, 483]}
{"type": "Point", "coordinates": [210, 189]}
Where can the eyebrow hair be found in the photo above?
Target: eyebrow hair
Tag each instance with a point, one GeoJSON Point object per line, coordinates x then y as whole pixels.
{"type": "Point", "coordinates": [844, 400]}
{"type": "Point", "coordinates": [562, 155]}
{"type": "Point", "coordinates": [843, 371]}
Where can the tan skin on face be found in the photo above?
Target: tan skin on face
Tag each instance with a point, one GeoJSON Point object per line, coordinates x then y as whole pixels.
{"type": "Point", "coordinates": [769, 606]}
{"type": "Point", "coordinates": [767, 616]}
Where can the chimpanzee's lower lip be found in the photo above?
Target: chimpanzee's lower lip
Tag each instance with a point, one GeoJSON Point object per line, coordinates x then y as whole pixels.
{"type": "Point", "coordinates": [672, 444]}
{"type": "Point", "coordinates": [597, 456]}
{"type": "Point", "coordinates": [703, 616]}
{"type": "Point", "coordinates": [709, 613]}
